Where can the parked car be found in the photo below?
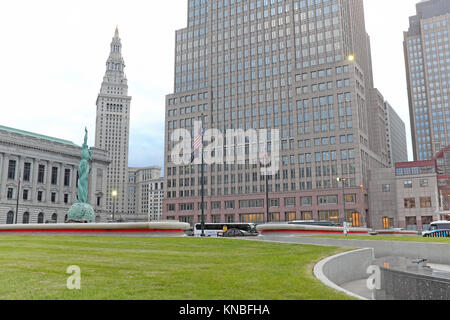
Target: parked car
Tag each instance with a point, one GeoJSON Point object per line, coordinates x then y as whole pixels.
{"type": "Point", "coordinates": [232, 233]}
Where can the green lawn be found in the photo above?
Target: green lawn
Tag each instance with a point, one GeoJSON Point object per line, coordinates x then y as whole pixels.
{"type": "Point", "coordinates": [160, 269]}
{"type": "Point", "coordinates": [386, 238]}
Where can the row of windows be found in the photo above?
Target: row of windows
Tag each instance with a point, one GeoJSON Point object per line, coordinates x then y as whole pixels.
{"type": "Point", "coordinates": [10, 218]}
{"type": "Point", "coordinates": [40, 196]}
{"type": "Point", "coordinates": [26, 173]}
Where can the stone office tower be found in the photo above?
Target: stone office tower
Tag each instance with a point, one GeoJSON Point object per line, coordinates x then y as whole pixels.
{"type": "Point", "coordinates": [113, 126]}
{"type": "Point", "coordinates": [300, 66]}
{"type": "Point", "coordinates": [427, 59]}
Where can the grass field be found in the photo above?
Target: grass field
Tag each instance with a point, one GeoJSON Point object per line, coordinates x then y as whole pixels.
{"type": "Point", "coordinates": [160, 269]}
{"type": "Point", "coordinates": [387, 238]}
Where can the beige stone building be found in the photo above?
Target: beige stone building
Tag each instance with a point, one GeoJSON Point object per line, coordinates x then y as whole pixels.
{"type": "Point", "coordinates": [145, 194]}
{"type": "Point", "coordinates": [405, 196]}
{"type": "Point", "coordinates": [47, 169]}
{"type": "Point", "coordinates": [113, 127]}
{"type": "Point", "coordinates": [411, 195]}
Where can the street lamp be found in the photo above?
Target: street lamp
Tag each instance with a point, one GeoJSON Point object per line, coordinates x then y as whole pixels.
{"type": "Point", "coordinates": [114, 195]}
{"type": "Point", "coordinates": [343, 180]}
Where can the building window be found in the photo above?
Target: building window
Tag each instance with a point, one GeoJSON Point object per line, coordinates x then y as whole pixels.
{"type": "Point", "coordinates": [332, 216]}
{"type": "Point", "coordinates": [386, 188]}
{"type": "Point", "coordinates": [273, 217]}
{"type": "Point", "coordinates": [54, 176]}
{"type": "Point", "coordinates": [306, 201]}
{"type": "Point", "coordinates": [289, 202]}
{"type": "Point", "coordinates": [426, 222]}
{"type": "Point", "coordinates": [408, 184]}
{"type": "Point", "coordinates": [229, 218]}
{"type": "Point", "coordinates": [41, 174]}
{"type": "Point", "coordinates": [388, 223]}
{"type": "Point", "coordinates": [25, 195]}
{"type": "Point", "coordinates": [229, 205]}
{"type": "Point", "coordinates": [54, 217]}
{"type": "Point", "coordinates": [252, 218]}
{"type": "Point", "coordinates": [39, 196]}
{"type": "Point", "coordinates": [26, 171]}
{"type": "Point", "coordinates": [41, 218]}
{"type": "Point", "coordinates": [411, 223]}
{"type": "Point", "coordinates": [410, 203]}
{"type": "Point", "coordinates": [350, 198]}
{"type": "Point", "coordinates": [274, 203]}
{"type": "Point", "coordinates": [26, 218]}
{"type": "Point", "coordinates": [53, 197]}
{"type": "Point", "coordinates": [66, 198]}
{"type": "Point", "coordinates": [327, 200]}
{"type": "Point", "coordinates": [307, 215]}
{"type": "Point", "coordinates": [290, 216]}
{"type": "Point", "coordinates": [215, 218]}
{"type": "Point", "coordinates": [12, 170]}
{"type": "Point", "coordinates": [424, 183]}
{"type": "Point", "coordinates": [425, 202]}
{"type": "Point", "coordinates": [67, 173]}
{"type": "Point", "coordinates": [245, 204]}
{"type": "Point", "coordinates": [10, 218]}
{"type": "Point", "coordinates": [10, 193]}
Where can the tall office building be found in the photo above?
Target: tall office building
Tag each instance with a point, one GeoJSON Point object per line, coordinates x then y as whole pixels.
{"type": "Point", "coordinates": [302, 67]}
{"type": "Point", "coordinates": [145, 194]}
{"type": "Point", "coordinates": [395, 136]}
{"type": "Point", "coordinates": [113, 126]}
{"type": "Point", "coordinates": [427, 58]}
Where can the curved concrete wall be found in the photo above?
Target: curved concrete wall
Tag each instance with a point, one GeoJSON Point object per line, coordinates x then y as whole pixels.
{"type": "Point", "coordinates": [153, 227]}
{"type": "Point", "coordinates": [343, 268]}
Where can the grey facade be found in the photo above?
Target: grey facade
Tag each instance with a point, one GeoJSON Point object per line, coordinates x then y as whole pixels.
{"type": "Point", "coordinates": [145, 194]}
{"type": "Point", "coordinates": [113, 127]}
{"type": "Point", "coordinates": [405, 197]}
{"type": "Point", "coordinates": [279, 65]}
{"type": "Point", "coordinates": [395, 136]}
{"type": "Point", "coordinates": [427, 59]}
{"type": "Point", "coordinates": [47, 169]}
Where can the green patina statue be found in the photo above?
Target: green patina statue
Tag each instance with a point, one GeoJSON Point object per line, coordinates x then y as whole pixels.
{"type": "Point", "coordinates": [82, 211]}
{"type": "Point", "coordinates": [83, 171]}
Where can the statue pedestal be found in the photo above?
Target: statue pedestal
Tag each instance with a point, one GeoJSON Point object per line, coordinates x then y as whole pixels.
{"type": "Point", "coordinates": [81, 212]}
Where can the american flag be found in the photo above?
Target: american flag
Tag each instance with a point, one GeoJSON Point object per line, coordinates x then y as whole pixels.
{"type": "Point", "coordinates": [198, 143]}
{"type": "Point", "coordinates": [198, 140]}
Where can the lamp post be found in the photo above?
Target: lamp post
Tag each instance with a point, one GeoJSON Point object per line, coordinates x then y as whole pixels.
{"type": "Point", "coordinates": [343, 180]}
{"type": "Point", "coordinates": [114, 195]}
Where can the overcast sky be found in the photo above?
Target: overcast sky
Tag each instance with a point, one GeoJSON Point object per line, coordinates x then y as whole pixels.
{"type": "Point", "coordinates": [53, 56]}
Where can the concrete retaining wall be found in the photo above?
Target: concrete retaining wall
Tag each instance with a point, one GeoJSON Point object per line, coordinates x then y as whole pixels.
{"type": "Point", "coordinates": [164, 227]}
{"type": "Point", "coordinates": [432, 251]}
{"type": "Point", "coordinates": [343, 268]}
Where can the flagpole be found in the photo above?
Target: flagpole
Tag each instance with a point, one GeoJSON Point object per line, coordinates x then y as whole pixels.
{"type": "Point", "coordinates": [203, 187]}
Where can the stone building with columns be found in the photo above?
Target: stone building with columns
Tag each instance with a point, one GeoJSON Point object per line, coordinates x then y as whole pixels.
{"type": "Point", "coordinates": [145, 194]}
{"type": "Point", "coordinates": [41, 172]}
